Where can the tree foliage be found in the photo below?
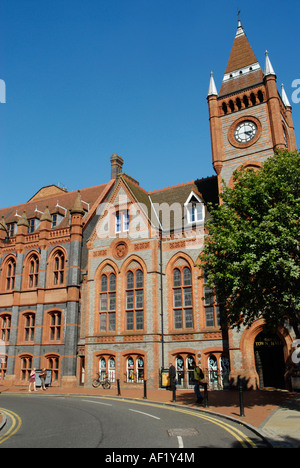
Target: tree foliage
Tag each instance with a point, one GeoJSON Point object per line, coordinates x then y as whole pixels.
{"type": "Point", "coordinates": [252, 248]}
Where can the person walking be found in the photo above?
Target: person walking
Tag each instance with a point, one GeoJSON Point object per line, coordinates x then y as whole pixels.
{"type": "Point", "coordinates": [32, 381]}
{"type": "Point", "coordinates": [43, 376]}
{"type": "Point", "coordinates": [172, 376]}
{"type": "Point", "coordinates": [198, 376]}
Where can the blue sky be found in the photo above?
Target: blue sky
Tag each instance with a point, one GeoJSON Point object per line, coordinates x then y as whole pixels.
{"type": "Point", "coordinates": [89, 78]}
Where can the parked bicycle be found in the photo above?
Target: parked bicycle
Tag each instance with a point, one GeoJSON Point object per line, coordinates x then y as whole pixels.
{"type": "Point", "coordinates": [104, 382]}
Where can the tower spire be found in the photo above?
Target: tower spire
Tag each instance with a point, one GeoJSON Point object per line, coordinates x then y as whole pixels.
{"type": "Point", "coordinates": [284, 97]}
{"type": "Point", "coordinates": [243, 69]}
{"type": "Point", "coordinates": [269, 70]}
{"type": "Point", "coordinates": [212, 90]}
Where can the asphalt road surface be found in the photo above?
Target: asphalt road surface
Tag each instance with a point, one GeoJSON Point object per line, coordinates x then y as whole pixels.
{"type": "Point", "coordinates": [42, 421]}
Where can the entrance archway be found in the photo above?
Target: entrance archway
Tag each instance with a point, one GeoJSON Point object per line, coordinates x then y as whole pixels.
{"type": "Point", "coordinates": [269, 360]}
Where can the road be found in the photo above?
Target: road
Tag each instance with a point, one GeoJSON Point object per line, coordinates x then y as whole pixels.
{"type": "Point", "coordinates": [44, 421]}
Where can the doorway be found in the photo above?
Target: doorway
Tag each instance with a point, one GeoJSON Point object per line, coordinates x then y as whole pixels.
{"type": "Point", "coordinates": [269, 360]}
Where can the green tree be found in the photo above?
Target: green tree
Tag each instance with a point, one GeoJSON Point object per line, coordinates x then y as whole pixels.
{"type": "Point", "coordinates": [252, 247]}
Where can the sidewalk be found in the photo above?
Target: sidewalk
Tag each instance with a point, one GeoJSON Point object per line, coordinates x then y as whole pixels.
{"type": "Point", "coordinates": [274, 414]}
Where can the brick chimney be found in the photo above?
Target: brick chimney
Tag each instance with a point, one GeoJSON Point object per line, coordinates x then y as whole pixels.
{"type": "Point", "coordinates": [116, 165]}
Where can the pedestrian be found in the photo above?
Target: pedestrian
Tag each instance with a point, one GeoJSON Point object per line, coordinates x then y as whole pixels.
{"type": "Point", "coordinates": [198, 376]}
{"type": "Point", "coordinates": [32, 381]}
{"type": "Point", "coordinates": [43, 376]}
{"type": "Point", "coordinates": [172, 376]}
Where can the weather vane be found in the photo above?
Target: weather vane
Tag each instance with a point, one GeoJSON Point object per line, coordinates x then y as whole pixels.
{"type": "Point", "coordinates": [239, 12]}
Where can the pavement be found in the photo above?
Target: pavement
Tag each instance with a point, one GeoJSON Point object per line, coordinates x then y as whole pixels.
{"type": "Point", "coordinates": [273, 414]}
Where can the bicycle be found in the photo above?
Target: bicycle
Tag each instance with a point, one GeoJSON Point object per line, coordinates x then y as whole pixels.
{"type": "Point", "coordinates": [104, 382]}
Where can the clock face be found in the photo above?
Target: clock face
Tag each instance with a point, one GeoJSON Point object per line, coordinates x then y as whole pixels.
{"type": "Point", "coordinates": [245, 131]}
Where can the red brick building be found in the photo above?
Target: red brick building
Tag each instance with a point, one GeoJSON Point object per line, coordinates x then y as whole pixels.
{"type": "Point", "coordinates": [249, 120]}
{"type": "Point", "coordinates": [106, 279]}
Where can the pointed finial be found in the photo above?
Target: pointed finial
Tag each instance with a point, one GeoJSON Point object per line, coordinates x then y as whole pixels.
{"type": "Point", "coordinates": [284, 97]}
{"type": "Point", "coordinates": [212, 90]}
{"type": "Point", "coordinates": [268, 66]}
{"type": "Point", "coordinates": [78, 208]}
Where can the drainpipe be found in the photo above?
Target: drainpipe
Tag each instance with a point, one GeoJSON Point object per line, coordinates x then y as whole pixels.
{"type": "Point", "coordinates": [161, 288]}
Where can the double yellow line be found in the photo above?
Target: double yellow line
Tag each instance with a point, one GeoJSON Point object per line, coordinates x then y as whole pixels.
{"type": "Point", "coordinates": [15, 425]}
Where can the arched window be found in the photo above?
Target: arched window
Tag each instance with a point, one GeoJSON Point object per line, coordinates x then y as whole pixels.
{"type": "Point", "coordinates": [26, 367]}
{"type": "Point", "coordinates": [58, 268]}
{"type": "Point", "coordinates": [108, 302]}
{"type": "Point", "coordinates": [55, 325]}
{"type": "Point", "coordinates": [213, 371]}
{"type": "Point", "coordinates": [135, 371]}
{"type": "Point", "coordinates": [33, 271]}
{"type": "Point", "coordinates": [53, 363]}
{"type": "Point", "coordinates": [245, 101]}
{"type": "Point", "coordinates": [29, 326]}
{"type": "Point", "coordinates": [224, 107]}
{"type": "Point", "coordinates": [107, 367]}
{"type": "Point", "coordinates": [260, 96]}
{"type": "Point", "coordinates": [5, 324]}
{"type": "Point", "coordinates": [253, 98]}
{"type": "Point", "coordinates": [130, 370]}
{"type": "Point", "coordinates": [211, 306]}
{"type": "Point", "coordinates": [10, 274]}
{"type": "Point", "coordinates": [182, 298]}
{"type": "Point", "coordinates": [135, 300]}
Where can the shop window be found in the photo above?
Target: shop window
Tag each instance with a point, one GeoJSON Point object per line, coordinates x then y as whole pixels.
{"type": "Point", "coordinates": [107, 367]}
{"type": "Point", "coordinates": [135, 372]}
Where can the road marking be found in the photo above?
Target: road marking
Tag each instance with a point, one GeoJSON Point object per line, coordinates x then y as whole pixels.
{"type": "Point", "coordinates": [16, 424]}
{"type": "Point", "coordinates": [236, 433]}
{"type": "Point", "coordinates": [180, 442]}
{"type": "Point", "coordinates": [146, 414]}
{"type": "Point", "coordinates": [98, 402]}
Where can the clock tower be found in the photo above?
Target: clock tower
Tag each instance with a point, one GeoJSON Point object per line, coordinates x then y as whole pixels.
{"type": "Point", "coordinates": [249, 119]}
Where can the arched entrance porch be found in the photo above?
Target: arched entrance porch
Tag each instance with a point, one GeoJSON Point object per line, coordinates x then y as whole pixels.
{"type": "Point", "coordinates": [264, 356]}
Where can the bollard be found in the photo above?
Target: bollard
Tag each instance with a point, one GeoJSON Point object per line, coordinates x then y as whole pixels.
{"type": "Point", "coordinates": [118, 385]}
{"type": "Point", "coordinates": [205, 395]}
{"type": "Point", "coordinates": [174, 393]}
{"type": "Point", "coordinates": [145, 389]}
{"type": "Point", "coordinates": [242, 413]}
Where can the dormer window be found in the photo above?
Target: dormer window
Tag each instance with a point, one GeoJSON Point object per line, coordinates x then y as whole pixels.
{"type": "Point", "coordinates": [195, 209]}
{"type": "Point", "coordinates": [11, 229]}
{"type": "Point", "coordinates": [31, 226]}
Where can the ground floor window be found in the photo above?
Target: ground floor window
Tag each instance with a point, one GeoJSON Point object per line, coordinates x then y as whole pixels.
{"type": "Point", "coordinates": [184, 370]}
{"type": "Point", "coordinates": [26, 367]}
{"type": "Point", "coordinates": [135, 369]}
{"type": "Point", "coordinates": [53, 365]}
{"type": "Point", "coordinates": [218, 372]}
{"type": "Point", "coordinates": [3, 367]}
{"type": "Point", "coordinates": [107, 367]}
